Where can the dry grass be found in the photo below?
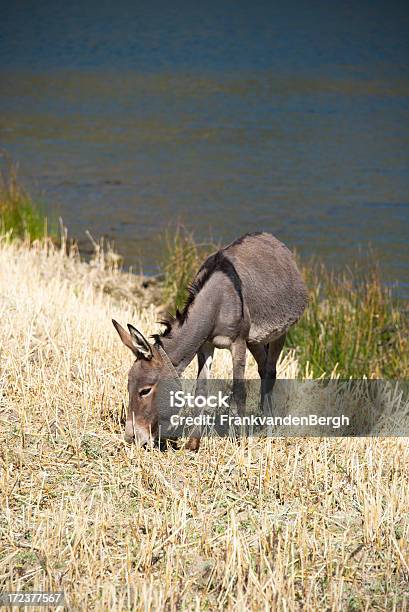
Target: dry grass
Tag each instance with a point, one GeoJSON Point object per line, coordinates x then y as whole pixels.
{"type": "Point", "coordinates": [287, 524]}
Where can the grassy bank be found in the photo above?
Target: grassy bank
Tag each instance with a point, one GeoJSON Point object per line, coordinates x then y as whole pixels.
{"type": "Point", "coordinates": [252, 524]}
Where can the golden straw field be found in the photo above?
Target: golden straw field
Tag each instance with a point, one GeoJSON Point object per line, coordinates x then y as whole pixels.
{"type": "Point", "coordinates": [286, 524]}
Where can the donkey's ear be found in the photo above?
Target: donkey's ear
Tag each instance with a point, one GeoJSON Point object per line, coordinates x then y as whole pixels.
{"type": "Point", "coordinates": [131, 341]}
{"type": "Point", "coordinates": [140, 342]}
{"type": "Point", "coordinates": [125, 337]}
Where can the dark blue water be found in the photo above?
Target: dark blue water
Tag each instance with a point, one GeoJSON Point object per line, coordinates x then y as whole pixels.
{"type": "Point", "coordinates": [229, 116]}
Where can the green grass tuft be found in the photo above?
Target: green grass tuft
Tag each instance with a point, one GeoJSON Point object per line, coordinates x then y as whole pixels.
{"type": "Point", "coordinates": [20, 217]}
{"type": "Point", "coordinates": [182, 259]}
{"type": "Point", "coordinates": [353, 323]}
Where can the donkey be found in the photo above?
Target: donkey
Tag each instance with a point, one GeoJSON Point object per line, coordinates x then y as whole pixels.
{"type": "Point", "coordinates": [244, 296]}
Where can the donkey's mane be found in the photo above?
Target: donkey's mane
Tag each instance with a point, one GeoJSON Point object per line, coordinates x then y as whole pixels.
{"type": "Point", "coordinates": [167, 321]}
{"type": "Point", "coordinates": [216, 262]}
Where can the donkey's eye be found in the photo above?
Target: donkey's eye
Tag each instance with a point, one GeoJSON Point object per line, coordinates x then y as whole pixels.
{"type": "Point", "coordinates": [145, 391]}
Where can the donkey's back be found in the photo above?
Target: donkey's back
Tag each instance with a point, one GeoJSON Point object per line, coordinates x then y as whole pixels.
{"type": "Point", "coordinates": [266, 281]}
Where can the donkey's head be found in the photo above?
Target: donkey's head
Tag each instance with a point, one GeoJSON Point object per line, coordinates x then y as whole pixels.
{"type": "Point", "coordinates": [143, 378]}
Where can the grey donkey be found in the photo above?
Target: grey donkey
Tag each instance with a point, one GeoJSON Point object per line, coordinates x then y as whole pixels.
{"type": "Point", "coordinates": [246, 295]}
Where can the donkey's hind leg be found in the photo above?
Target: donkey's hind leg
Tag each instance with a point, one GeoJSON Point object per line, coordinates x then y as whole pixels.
{"type": "Point", "coordinates": [273, 353]}
{"type": "Point", "coordinates": [260, 353]}
{"type": "Point", "coordinates": [238, 352]}
{"type": "Point", "coordinates": [274, 349]}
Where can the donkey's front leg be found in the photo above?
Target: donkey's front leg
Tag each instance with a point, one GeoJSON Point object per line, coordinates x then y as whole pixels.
{"type": "Point", "coordinates": [204, 360]}
{"type": "Point", "coordinates": [238, 351]}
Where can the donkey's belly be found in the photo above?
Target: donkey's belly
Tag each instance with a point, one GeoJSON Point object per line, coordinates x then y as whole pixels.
{"type": "Point", "coordinates": [264, 332]}
{"type": "Point", "coordinates": [221, 342]}
{"type": "Point", "coordinates": [263, 335]}
{"type": "Point", "coordinates": [271, 316]}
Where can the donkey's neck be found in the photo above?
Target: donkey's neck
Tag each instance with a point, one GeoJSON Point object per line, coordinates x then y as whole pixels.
{"type": "Point", "coordinates": [186, 337]}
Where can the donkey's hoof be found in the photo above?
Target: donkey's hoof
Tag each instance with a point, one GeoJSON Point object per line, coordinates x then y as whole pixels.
{"type": "Point", "coordinates": [193, 444]}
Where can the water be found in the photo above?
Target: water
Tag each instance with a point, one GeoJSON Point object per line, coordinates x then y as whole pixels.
{"type": "Point", "coordinates": [228, 116]}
